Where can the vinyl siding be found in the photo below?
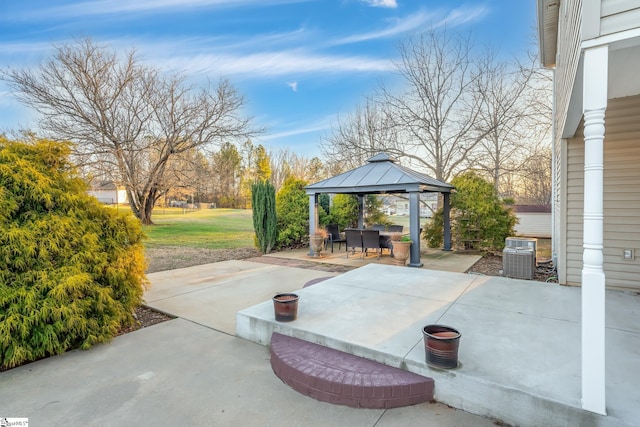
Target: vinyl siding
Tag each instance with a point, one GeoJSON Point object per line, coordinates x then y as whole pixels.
{"type": "Point", "coordinates": [568, 59]}
{"type": "Point", "coordinates": [569, 38]}
{"type": "Point", "coordinates": [533, 224]}
{"type": "Point", "coordinates": [619, 15]}
{"type": "Point", "coordinates": [621, 196]}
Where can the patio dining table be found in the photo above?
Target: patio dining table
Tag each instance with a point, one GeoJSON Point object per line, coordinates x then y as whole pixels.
{"type": "Point", "coordinates": [386, 237]}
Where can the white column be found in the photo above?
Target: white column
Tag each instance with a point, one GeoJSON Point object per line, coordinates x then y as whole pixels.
{"type": "Point", "coordinates": [593, 281]}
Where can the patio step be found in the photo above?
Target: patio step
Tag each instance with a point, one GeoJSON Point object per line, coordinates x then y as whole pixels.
{"type": "Point", "coordinates": [336, 377]}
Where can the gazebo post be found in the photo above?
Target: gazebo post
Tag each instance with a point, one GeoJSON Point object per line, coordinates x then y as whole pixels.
{"type": "Point", "coordinates": [313, 217]}
{"type": "Point", "coordinates": [414, 227]}
{"type": "Point", "coordinates": [446, 213]}
{"type": "Point", "coordinates": [361, 211]}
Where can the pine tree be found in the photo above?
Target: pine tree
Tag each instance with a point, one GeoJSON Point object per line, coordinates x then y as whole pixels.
{"type": "Point", "coordinates": [292, 204]}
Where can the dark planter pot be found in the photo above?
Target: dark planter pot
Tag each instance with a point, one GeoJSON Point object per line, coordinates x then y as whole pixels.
{"type": "Point", "coordinates": [441, 346]}
{"type": "Point", "coordinates": [285, 307]}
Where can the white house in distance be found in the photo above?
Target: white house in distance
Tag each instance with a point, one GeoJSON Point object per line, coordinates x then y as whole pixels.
{"type": "Point", "coordinates": [533, 220]}
{"type": "Point", "coordinates": [108, 192]}
{"type": "Point", "coordinates": [594, 48]}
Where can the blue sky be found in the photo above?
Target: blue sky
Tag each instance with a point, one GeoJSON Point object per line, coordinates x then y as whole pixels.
{"type": "Point", "coordinates": [298, 63]}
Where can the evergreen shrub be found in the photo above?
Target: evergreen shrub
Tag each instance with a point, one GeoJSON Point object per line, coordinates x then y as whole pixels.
{"type": "Point", "coordinates": [263, 202]}
{"type": "Point", "coordinates": [71, 270]}
{"type": "Point", "coordinates": [292, 207]}
{"type": "Point", "coordinates": [478, 216]}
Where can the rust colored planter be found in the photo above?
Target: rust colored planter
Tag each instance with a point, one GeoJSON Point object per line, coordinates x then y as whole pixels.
{"type": "Point", "coordinates": [441, 345]}
{"type": "Point", "coordinates": [285, 307]}
{"type": "Point", "coordinates": [401, 251]}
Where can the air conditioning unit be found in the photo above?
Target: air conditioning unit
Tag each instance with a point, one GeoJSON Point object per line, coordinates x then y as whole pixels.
{"type": "Point", "coordinates": [523, 243]}
{"type": "Point", "coordinates": [518, 263]}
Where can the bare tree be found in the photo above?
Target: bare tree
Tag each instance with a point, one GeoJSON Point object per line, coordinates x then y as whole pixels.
{"type": "Point", "coordinates": [432, 123]}
{"type": "Point", "coordinates": [515, 109]}
{"type": "Point", "coordinates": [534, 178]}
{"type": "Point", "coordinates": [285, 163]}
{"type": "Point", "coordinates": [505, 114]}
{"type": "Point", "coordinates": [437, 113]}
{"type": "Point", "coordinates": [360, 135]}
{"type": "Point", "coordinates": [128, 113]}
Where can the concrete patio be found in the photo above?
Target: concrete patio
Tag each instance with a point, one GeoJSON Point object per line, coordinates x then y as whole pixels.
{"type": "Point", "coordinates": [192, 370]}
{"type": "Point", "coordinates": [433, 259]}
{"type": "Point", "coordinates": [519, 352]}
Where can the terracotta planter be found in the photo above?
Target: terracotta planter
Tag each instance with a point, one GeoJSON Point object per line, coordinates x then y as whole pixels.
{"type": "Point", "coordinates": [285, 307]}
{"type": "Point", "coordinates": [401, 251]}
{"type": "Point", "coordinates": [316, 243]}
{"type": "Point", "coordinates": [441, 345]}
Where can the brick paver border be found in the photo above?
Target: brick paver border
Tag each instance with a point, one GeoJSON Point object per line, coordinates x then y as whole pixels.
{"type": "Point", "coordinates": [336, 377]}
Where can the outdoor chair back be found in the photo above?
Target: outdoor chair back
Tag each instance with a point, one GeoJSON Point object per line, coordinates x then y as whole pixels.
{"type": "Point", "coordinates": [371, 240]}
{"type": "Point", "coordinates": [379, 227]}
{"type": "Point", "coordinates": [335, 237]}
{"type": "Point", "coordinates": [354, 240]}
{"type": "Point", "coordinates": [396, 228]}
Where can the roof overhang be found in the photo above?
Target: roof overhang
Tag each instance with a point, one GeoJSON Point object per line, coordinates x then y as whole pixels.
{"type": "Point", "coordinates": [548, 31]}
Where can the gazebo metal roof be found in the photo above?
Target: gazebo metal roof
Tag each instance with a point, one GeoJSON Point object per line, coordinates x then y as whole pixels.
{"type": "Point", "coordinates": [381, 174]}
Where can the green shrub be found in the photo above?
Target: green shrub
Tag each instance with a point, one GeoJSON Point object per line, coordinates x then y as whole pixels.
{"type": "Point", "coordinates": [292, 208]}
{"type": "Point", "coordinates": [344, 211]}
{"type": "Point", "coordinates": [479, 219]}
{"type": "Point", "coordinates": [265, 224]}
{"type": "Point", "coordinates": [71, 270]}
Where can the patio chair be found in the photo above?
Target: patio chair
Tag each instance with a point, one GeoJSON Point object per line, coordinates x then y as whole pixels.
{"type": "Point", "coordinates": [371, 240]}
{"type": "Point", "coordinates": [334, 236]}
{"type": "Point", "coordinates": [354, 240]}
{"type": "Point", "coordinates": [379, 227]}
{"type": "Point", "coordinates": [396, 228]}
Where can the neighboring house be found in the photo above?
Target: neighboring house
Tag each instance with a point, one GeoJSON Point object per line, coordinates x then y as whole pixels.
{"type": "Point", "coordinates": [594, 48]}
{"type": "Point", "coordinates": [395, 205]}
{"type": "Point", "coordinates": [533, 220]}
{"type": "Point", "coordinates": [108, 193]}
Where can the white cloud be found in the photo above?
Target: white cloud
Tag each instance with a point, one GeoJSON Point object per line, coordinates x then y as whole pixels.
{"type": "Point", "coordinates": [421, 20]}
{"type": "Point", "coordinates": [293, 86]}
{"type": "Point", "coordinates": [320, 125]}
{"type": "Point", "coordinates": [399, 26]}
{"type": "Point", "coordinates": [462, 15]}
{"type": "Point", "coordinates": [116, 7]}
{"type": "Point", "coordinates": [382, 3]}
{"type": "Point", "coordinates": [275, 63]}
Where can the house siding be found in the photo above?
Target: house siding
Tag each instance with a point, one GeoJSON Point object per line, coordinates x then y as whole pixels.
{"type": "Point", "coordinates": [618, 15]}
{"type": "Point", "coordinates": [621, 196]}
{"type": "Point", "coordinates": [568, 59]}
{"type": "Point", "coordinates": [533, 224]}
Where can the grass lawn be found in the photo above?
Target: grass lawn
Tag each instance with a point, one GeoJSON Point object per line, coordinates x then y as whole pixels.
{"type": "Point", "coordinates": [205, 228]}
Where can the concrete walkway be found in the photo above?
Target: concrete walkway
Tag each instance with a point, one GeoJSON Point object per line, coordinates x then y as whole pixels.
{"type": "Point", "coordinates": [191, 370]}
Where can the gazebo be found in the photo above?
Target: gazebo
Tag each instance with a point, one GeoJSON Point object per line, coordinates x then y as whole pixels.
{"type": "Point", "coordinates": [383, 175]}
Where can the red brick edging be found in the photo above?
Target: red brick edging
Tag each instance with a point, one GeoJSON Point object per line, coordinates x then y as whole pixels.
{"type": "Point", "coordinates": [336, 377]}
